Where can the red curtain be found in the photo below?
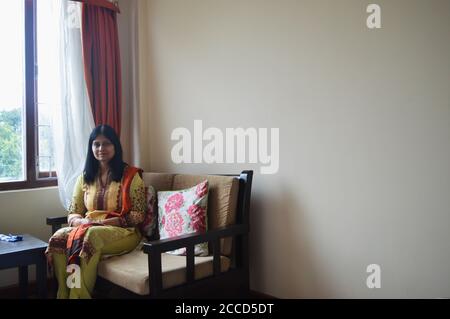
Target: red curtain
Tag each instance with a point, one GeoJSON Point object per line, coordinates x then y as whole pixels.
{"type": "Point", "coordinates": [102, 61]}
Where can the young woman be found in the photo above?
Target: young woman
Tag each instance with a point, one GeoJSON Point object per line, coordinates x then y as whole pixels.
{"type": "Point", "coordinates": [108, 203]}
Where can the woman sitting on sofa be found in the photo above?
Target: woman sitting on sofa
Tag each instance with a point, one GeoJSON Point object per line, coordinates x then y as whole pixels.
{"type": "Point", "coordinates": [107, 206]}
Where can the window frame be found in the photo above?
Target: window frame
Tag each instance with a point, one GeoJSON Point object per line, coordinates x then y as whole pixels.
{"type": "Point", "coordinates": [34, 179]}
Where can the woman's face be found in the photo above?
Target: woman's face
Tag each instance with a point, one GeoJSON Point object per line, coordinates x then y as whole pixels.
{"type": "Point", "coordinates": [103, 149]}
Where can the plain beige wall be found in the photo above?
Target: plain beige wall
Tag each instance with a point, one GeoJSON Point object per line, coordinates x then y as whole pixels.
{"type": "Point", "coordinates": [24, 212]}
{"type": "Point", "coordinates": [364, 120]}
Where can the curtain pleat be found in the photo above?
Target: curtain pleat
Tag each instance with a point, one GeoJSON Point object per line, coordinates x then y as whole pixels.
{"type": "Point", "coordinates": [102, 64]}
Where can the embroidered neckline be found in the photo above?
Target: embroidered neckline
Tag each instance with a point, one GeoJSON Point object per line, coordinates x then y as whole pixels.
{"type": "Point", "coordinates": [107, 182]}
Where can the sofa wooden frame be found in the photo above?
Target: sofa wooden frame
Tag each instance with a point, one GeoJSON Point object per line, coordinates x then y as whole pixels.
{"type": "Point", "coordinates": [233, 283]}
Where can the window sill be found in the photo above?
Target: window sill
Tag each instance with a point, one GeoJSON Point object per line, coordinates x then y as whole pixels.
{"type": "Point", "coordinates": [23, 190]}
{"type": "Point", "coordinates": [20, 186]}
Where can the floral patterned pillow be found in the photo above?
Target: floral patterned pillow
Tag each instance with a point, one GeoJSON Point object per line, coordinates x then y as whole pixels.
{"type": "Point", "coordinates": [148, 226]}
{"type": "Point", "coordinates": [182, 212]}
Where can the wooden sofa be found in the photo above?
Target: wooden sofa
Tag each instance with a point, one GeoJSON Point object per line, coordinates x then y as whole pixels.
{"type": "Point", "coordinates": [151, 273]}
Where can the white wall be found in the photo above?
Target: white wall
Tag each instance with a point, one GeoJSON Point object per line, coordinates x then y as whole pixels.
{"type": "Point", "coordinates": [24, 212]}
{"type": "Point", "coordinates": [364, 118]}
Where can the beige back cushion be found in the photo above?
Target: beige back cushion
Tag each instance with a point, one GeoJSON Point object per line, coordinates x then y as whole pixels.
{"type": "Point", "coordinates": [222, 201]}
{"type": "Point", "coordinates": [222, 197]}
{"type": "Point", "coordinates": [160, 181]}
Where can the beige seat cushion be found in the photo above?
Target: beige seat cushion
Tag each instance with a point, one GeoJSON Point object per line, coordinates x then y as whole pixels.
{"type": "Point", "coordinates": [130, 271]}
{"type": "Point", "coordinates": [222, 201]}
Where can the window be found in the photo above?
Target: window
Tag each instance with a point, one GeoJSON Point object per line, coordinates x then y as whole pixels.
{"type": "Point", "coordinates": [27, 95]}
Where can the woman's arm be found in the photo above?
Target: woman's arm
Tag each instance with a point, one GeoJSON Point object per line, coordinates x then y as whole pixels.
{"type": "Point", "coordinates": [138, 203]}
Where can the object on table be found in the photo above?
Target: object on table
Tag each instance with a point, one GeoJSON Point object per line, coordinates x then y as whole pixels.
{"type": "Point", "coordinates": [10, 238]}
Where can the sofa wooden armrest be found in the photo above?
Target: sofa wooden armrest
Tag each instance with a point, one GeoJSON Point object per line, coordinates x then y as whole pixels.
{"type": "Point", "coordinates": [56, 222]}
{"type": "Point", "coordinates": [192, 239]}
{"type": "Point", "coordinates": [154, 249]}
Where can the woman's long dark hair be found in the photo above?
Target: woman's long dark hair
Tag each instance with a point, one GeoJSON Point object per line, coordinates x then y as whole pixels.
{"type": "Point", "coordinates": [116, 164]}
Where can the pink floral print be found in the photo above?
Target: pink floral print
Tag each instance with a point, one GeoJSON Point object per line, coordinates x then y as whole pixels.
{"type": "Point", "coordinates": [202, 189]}
{"type": "Point", "coordinates": [182, 212]}
{"type": "Point", "coordinates": [174, 202]}
{"type": "Point", "coordinates": [198, 218]}
{"type": "Point", "coordinates": [174, 224]}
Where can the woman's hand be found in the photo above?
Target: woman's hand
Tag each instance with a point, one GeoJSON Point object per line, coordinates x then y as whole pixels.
{"type": "Point", "coordinates": [114, 221]}
{"type": "Point", "coordinates": [80, 221]}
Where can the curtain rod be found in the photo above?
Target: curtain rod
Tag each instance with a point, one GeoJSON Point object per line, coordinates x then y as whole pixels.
{"type": "Point", "coordinates": [114, 6]}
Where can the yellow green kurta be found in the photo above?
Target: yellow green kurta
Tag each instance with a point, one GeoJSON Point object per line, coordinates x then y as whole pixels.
{"type": "Point", "coordinates": [94, 201]}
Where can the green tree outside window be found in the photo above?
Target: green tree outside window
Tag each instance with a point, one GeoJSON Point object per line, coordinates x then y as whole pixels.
{"type": "Point", "coordinates": [11, 145]}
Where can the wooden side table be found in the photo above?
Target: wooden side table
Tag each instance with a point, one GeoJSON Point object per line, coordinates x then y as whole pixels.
{"type": "Point", "coordinates": [21, 254]}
